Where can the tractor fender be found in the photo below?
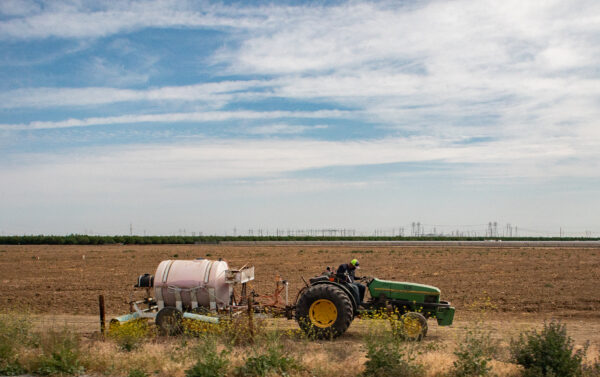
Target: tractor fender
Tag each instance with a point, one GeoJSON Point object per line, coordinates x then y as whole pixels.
{"type": "Point", "coordinates": [346, 291]}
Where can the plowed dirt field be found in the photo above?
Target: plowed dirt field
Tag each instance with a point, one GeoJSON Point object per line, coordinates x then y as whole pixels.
{"type": "Point", "coordinates": [556, 282]}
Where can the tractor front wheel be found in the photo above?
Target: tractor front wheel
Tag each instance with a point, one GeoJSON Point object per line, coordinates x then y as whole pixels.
{"type": "Point", "coordinates": [324, 311]}
{"type": "Point", "coordinates": [411, 326]}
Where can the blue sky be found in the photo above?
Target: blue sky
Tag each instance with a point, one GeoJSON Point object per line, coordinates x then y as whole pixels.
{"type": "Point", "coordinates": [206, 116]}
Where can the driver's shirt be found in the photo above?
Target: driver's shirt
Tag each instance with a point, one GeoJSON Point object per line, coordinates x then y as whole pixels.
{"type": "Point", "coordinates": [341, 271]}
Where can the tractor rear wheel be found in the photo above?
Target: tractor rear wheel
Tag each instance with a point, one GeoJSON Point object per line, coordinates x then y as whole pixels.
{"type": "Point", "coordinates": [169, 321]}
{"type": "Point", "coordinates": [411, 326]}
{"type": "Point", "coordinates": [324, 311]}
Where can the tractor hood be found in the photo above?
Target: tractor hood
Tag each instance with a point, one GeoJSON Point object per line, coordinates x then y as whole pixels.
{"type": "Point", "coordinates": [404, 291]}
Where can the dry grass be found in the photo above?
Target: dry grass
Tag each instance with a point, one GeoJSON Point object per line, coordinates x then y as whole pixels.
{"type": "Point", "coordinates": [163, 356]}
{"type": "Point", "coordinates": [170, 357]}
{"type": "Point", "coordinates": [153, 358]}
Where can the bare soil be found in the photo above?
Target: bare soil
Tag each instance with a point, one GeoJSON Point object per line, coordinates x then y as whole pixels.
{"type": "Point", "coordinates": [559, 282]}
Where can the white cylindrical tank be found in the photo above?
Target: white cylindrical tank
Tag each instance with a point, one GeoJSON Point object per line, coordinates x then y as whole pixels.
{"type": "Point", "coordinates": [192, 283]}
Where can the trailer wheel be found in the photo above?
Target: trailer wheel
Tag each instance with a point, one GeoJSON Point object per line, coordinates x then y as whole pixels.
{"type": "Point", "coordinates": [411, 326]}
{"type": "Point", "coordinates": [169, 321]}
{"type": "Point", "coordinates": [324, 311]}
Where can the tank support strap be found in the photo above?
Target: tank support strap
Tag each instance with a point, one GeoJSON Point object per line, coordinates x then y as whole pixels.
{"type": "Point", "coordinates": [211, 295]}
{"type": "Point", "coordinates": [207, 272]}
{"type": "Point", "coordinates": [159, 298]}
{"type": "Point", "coordinates": [178, 299]}
{"type": "Point", "coordinates": [194, 297]}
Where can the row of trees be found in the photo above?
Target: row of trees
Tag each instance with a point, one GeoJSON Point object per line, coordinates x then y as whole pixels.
{"type": "Point", "coordinates": [82, 239]}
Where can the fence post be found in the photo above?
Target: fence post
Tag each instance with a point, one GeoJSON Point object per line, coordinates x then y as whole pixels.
{"type": "Point", "coordinates": [251, 317]}
{"type": "Point", "coordinates": [102, 314]}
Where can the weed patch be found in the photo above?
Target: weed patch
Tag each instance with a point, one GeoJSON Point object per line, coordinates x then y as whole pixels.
{"type": "Point", "coordinates": [234, 331]}
{"type": "Point", "coordinates": [210, 363]}
{"type": "Point", "coordinates": [14, 334]}
{"type": "Point", "coordinates": [273, 361]}
{"type": "Point", "coordinates": [393, 359]}
{"type": "Point", "coordinates": [548, 353]}
{"type": "Point", "coordinates": [137, 373]}
{"type": "Point", "coordinates": [474, 354]}
{"type": "Point", "coordinates": [592, 369]}
{"type": "Point", "coordinates": [129, 335]}
{"type": "Point", "coordinates": [60, 354]}
{"type": "Point", "coordinates": [389, 355]}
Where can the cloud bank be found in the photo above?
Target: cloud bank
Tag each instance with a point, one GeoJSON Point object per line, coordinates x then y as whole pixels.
{"type": "Point", "coordinates": [482, 92]}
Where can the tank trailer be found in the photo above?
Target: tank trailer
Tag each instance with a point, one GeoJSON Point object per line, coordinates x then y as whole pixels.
{"type": "Point", "coordinates": [203, 290]}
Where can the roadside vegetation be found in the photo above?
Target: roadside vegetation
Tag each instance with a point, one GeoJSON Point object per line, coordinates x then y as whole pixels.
{"type": "Point", "coordinates": [136, 350]}
{"type": "Point", "coordinates": [82, 239]}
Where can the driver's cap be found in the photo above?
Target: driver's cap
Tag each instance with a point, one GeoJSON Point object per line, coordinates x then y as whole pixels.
{"type": "Point", "coordinates": [354, 262]}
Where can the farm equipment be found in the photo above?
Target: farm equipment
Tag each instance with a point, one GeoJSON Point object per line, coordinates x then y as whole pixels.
{"type": "Point", "coordinates": [191, 289]}
{"type": "Point", "coordinates": [203, 290]}
{"type": "Point", "coordinates": [327, 306]}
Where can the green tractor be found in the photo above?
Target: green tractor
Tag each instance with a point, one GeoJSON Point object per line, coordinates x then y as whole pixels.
{"type": "Point", "coordinates": [326, 307]}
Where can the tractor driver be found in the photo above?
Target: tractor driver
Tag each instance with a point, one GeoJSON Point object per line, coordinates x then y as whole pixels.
{"type": "Point", "coordinates": [346, 274]}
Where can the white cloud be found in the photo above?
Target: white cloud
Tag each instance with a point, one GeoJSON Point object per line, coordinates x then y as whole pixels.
{"type": "Point", "coordinates": [176, 118]}
{"type": "Point", "coordinates": [207, 182]}
{"type": "Point", "coordinates": [402, 65]}
{"type": "Point", "coordinates": [18, 7]}
{"type": "Point", "coordinates": [282, 129]}
{"type": "Point", "coordinates": [219, 159]}
{"type": "Point", "coordinates": [74, 20]}
{"type": "Point", "coordinates": [560, 58]}
{"type": "Point", "coordinates": [495, 69]}
{"type": "Point", "coordinates": [102, 71]}
{"type": "Point", "coordinates": [215, 93]}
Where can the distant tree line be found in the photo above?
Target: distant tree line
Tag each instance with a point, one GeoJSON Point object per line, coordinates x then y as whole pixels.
{"type": "Point", "coordinates": [82, 239]}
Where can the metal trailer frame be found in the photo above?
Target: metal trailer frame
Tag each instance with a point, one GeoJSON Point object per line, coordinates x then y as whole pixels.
{"type": "Point", "coordinates": [149, 306]}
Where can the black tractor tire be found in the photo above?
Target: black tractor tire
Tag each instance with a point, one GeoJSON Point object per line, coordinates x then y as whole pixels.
{"type": "Point", "coordinates": [324, 311]}
{"type": "Point", "coordinates": [169, 321]}
{"type": "Point", "coordinates": [411, 326]}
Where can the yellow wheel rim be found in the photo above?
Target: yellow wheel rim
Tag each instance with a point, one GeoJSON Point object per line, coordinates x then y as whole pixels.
{"type": "Point", "coordinates": [322, 313]}
{"type": "Point", "coordinates": [412, 327]}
